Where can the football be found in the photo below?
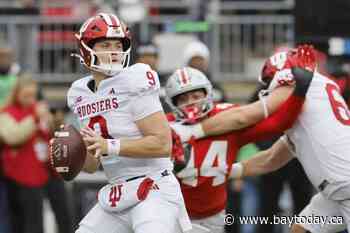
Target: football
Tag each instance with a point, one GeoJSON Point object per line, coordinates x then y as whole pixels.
{"type": "Point", "coordinates": [67, 152]}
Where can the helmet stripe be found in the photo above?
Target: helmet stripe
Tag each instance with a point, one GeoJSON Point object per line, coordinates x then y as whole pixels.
{"type": "Point", "coordinates": [115, 20]}
{"type": "Point", "coordinates": [183, 76]}
{"type": "Point", "coordinates": [106, 18]}
{"type": "Point", "coordinates": [85, 26]}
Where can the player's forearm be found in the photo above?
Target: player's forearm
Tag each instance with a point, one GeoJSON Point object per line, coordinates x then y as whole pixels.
{"type": "Point", "coordinates": [242, 117]}
{"type": "Point", "coordinates": [146, 147]}
{"type": "Point", "coordinates": [275, 124]}
{"type": "Point", "coordinates": [225, 122]}
{"type": "Point", "coordinates": [259, 164]}
{"type": "Point", "coordinates": [264, 162]}
{"type": "Point", "coordinates": [91, 164]}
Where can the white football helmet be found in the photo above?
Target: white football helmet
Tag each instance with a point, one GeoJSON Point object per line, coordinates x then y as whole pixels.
{"type": "Point", "coordinates": [185, 80]}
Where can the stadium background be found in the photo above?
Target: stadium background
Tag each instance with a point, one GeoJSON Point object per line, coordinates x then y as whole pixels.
{"type": "Point", "coordinates": [239, 34]}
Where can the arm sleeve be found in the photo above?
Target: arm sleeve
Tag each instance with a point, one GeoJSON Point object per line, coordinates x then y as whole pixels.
{"type": "Point", "coordinates": [275, 124]}
{"type": "Point", "coordinates": [15, 133]}
{"type": "Point", "coordinates": [145, 105]}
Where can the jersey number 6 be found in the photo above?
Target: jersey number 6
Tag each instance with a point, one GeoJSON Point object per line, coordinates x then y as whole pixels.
{"type": "Point", "coordinates": [338, 104]}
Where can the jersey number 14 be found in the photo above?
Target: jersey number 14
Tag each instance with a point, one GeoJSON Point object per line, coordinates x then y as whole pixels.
{"type": "Point", "coordinates": [213, 165]}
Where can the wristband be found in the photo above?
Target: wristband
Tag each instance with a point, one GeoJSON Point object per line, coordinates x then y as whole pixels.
{"type": "Point", "coordinates": [198, 131]}
{"type": "Point", "coordinates": [262, 98]}
{"type": "Point", "coordinates": [236, 171]}
{"type": "Point", "coordinates": [113, 146]}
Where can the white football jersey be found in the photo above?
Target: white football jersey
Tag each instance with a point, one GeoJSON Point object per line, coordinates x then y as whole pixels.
{"type": "Point", "coordinates": [112, 110]}
{"type": "Point", "coordinates": [321, 135]}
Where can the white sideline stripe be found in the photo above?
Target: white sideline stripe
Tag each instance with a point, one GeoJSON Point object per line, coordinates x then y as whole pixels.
{"type": "Point", "coordinates": [116, 19]}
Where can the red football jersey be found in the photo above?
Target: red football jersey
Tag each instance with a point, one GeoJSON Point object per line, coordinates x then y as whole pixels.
{"type": "Point", "coordinates": [202, 184]}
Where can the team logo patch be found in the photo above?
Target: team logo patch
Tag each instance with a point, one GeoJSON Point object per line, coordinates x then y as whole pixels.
{"type": "Point", "coordinates": [79, 99]}
{"type": "Point", "coordinates": [112, 91]}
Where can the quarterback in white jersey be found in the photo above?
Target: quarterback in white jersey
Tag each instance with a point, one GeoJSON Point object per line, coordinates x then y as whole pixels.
{"type": "Point", "coordinates": [126, 131]}
{"type": "Point", "coordinates": [319, 139]}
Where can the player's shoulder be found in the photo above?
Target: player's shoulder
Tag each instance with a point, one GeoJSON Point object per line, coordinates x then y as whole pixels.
{"type": "Point", "coordinates": [139, 78]}
{"type": "Point", "coordinates": [77, 88]}
{"type": "Point", "coordinates": [79, 84]}
{"type": "Point", "coordinates": [219, 107]}
{"type": "Point", "coordinates": [138, 68]}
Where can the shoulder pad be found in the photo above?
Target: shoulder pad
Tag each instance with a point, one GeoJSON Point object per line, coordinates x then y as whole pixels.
{"type": "Point", "coordinates": [140, 79]}
{"type": "Point", "coordinates": [76, 90]}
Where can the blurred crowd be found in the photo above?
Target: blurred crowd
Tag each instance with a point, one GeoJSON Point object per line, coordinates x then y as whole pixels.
{"type": "Point", "coordinates": [27, 124]}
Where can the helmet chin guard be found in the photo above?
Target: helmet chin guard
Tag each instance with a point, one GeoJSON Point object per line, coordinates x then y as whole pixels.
{"type": "Point", "coordinates": [193, 112]}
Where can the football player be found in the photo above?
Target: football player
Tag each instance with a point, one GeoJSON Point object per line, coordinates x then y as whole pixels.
{"type": "Point", "coordinates": [320, 140]}
{"type": "Point", "coordinates": [127, 133]}
{"type": "Point", "coordinates": [198, 165]}
{"type": "Point", "coordinates": [327, 211]}
{"type": "Point", "coordinates": [282, 94]}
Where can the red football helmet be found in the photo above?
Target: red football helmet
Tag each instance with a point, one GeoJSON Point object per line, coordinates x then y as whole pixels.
{"type": "Point", "coordinates": [281, 62]}
{"type": "Point", "coordinates": [103, 26]}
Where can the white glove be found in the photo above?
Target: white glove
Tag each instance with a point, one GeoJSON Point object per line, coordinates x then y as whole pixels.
{"type": "Point", "coordinates": [185, 132]}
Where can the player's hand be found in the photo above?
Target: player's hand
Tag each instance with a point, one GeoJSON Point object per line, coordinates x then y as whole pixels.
{"type": "Point", "coordinates": [186, 132]}
{"type": "Point", "coordinates": [177, 153]}
{"type": "Point", "coordinates": [96, 144]}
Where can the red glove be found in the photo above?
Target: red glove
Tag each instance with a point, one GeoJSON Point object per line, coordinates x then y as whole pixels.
{"type": "Point", "coordinates": [177, 153]}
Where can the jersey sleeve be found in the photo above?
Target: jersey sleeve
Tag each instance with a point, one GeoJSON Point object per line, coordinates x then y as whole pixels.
{"type": "Point", "coordinates": [144, 91]}
{"type": "Point", "coordinates": [143, 81]}
{"type": "Point", "coordinates": [71, 98]}
{"type": "Point", "coordinates": [145, 106]}
{"type": "Point", "coordinates": [275, 124]}
{"type": "Point", "coordinates": [74, 94]}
